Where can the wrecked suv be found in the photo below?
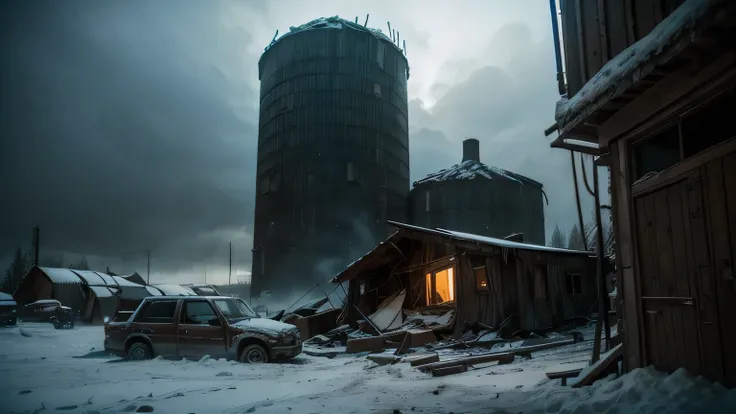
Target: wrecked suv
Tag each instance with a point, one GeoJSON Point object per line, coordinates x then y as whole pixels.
{"type": "Point", "coordinates": [194, 326]}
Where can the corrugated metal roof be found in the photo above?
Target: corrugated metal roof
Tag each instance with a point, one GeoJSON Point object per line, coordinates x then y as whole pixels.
{"type": "Point", "coordinates": [102, 292]}
{"type": "Point", "coordinates": [470, 170]}
{"type": "Point", "coordinates": [61, 276]}
{"type": "Point", "coordinates": [5, 296]}
{"type": "Point", "coordinates": [93, 278]}
{"type": "Point", "coordinates": [510, 244]}
{"type": "Point", "coordinates": [153, 291]}
{"type": "Point", "coordinates": [124, 282]}
{"type": "Point", "coordinates": [175, 290]}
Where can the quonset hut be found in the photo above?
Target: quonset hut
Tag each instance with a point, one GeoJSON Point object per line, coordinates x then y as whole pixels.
{"type": "Point", "coordinates": [333, 157]}
{"type": "Point", "coordinates": [475, 198]}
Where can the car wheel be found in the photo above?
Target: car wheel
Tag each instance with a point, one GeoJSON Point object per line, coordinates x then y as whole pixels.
{"type": "Point", "coordinates": [254, 354]}
{"type": "Point", "coordinates": [139, 351]}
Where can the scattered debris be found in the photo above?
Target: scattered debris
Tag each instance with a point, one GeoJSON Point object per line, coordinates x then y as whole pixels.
{"type": "Point", "coordinates": [594, 372]}
{"type": "Point", "coordinates": [564, 375]}
{"type": "Point", "coordinates": [455, 369]}
{"type": "Point", "coordinates": [501, 358]}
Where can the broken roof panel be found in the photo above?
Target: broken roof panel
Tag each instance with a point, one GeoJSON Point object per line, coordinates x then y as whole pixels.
{"type": "Point", "coordinates": [61, 276]}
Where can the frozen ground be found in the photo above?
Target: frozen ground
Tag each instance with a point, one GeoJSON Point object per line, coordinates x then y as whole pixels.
{"type": "Point", "coordinates": [44, 370]}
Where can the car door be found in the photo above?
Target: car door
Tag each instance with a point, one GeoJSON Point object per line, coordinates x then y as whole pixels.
{"type": "Point", "coordinates": [197, 337]}
{"type": "Point", "coordinates": [158, 323]}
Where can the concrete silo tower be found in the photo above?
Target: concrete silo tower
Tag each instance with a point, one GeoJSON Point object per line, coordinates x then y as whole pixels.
{"type": "Point", "coordinates": [333, 151]}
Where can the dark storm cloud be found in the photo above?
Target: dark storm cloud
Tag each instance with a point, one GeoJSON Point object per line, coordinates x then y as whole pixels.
{"type": "Point", "coordinates": [507, 106]}
{"type": "Point", "coordinates": [124, 127]}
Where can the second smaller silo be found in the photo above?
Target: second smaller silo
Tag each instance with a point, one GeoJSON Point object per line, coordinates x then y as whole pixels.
{"type": "Point", "coordinates": [473, 197]}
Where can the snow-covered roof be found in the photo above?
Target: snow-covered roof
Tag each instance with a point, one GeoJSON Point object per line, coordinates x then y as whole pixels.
{"type": "Point", "coordinates": [92, 278]}
{"type": "Point", "coordinates": [61, 276]}
{"type": "Point", "coordinates": [102, 292]}
{"type": "Point", "coordinates": [470, 170]}
{"type": "Point", "coordinates": [457, 235]}
{"type": "Point", "coordinates": [5, 296]}
{"type": "Point", "coordinates": [606, 83]}
{"type": "Point", "coordinates": [153, 291]}
{"type": "Point", "coordinates": [334, 23]}
{"type": "Point", "coordinates": [175, 290]}
{"type": "Point", "coordinates": [124, 282]}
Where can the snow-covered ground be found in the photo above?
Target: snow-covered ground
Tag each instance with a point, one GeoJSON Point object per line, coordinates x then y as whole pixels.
{"type": "Point", "coordinates": [45, 370]}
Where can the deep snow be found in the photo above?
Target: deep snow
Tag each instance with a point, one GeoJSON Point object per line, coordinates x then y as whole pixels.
{"type": "Point", "coordinates": [64, 371]}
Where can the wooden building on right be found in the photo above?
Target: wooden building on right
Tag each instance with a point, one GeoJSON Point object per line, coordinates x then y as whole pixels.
{"type": "Point", "coordinates": [649, 87]}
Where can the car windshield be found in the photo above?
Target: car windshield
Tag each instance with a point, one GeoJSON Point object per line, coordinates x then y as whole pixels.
{"type": "Point", "coordinates": [235, 309]}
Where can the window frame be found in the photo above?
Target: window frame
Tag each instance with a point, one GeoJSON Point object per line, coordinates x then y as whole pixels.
{"type": "Point", "coordinates": [183, 312]}
{"type": "Point", "coordinates": [571, 275]}
{"type": "Point", "coordinates": [432, 273]}
{"type": "Point", "coordinates": [147, 306]}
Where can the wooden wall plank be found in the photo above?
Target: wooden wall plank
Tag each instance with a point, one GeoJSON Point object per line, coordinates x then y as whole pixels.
{"type": "Point", "coordinates": [717, 193]}
{"type": "Point", "coordinates": [626, 258]}
{"type": "Point", "coordinates": [681, 257]}
{"type": "Point", "coordinates": [592, 38]}
{"type": "Point", "coordinates": [703, 270]}
{"type": "Point", "coordinates": [729, 322]}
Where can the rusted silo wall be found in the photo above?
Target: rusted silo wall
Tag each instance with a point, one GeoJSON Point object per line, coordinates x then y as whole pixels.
{"type": "Point", "coordinates": [333, 159]}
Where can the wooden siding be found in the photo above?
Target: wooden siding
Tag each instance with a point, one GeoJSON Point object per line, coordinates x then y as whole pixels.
{"type": "Point", "coordinates": [594, 31]}
{"type": "Point", "coordinates": [510, 278]}
{"type": "Point", "coordinates": [677, 276]}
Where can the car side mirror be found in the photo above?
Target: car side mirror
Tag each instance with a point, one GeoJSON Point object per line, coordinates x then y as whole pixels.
{"type": "Point", "coordinates": [214, 322]}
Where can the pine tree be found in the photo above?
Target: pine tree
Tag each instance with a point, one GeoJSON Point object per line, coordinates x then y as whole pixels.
{"type": "Point", "coordinates": [575, 239]}
{"type": "Point", "coordinates": [558, 238]}
{"type": "Point", "coordinates": [15, 273]}
{"type": "Point", "coordinates": [83, 265]}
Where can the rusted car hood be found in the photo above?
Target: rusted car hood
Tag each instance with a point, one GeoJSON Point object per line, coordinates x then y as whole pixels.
{"type": "Point", "coordinates": [265, 326]}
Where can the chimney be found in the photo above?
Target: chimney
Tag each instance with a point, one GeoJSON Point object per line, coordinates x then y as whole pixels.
{"type": "Point", "coordinates": [471, 150]}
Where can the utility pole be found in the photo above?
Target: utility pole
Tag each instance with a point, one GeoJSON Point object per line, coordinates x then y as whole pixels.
{"type": "Point", "coordinates": [230, 271]}
{"type": "Point", "coordinates": [148, 267]}
{"type": "Point", "coordinates": [36, 242]}
{"type": "Point", "coordinates": [205, 273]}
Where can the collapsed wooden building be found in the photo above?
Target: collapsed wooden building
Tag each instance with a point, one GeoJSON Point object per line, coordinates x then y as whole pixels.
{"type": "Point", "coordinates": [652, 94]}
{"type": "Point", "coordinates": [448, 279]}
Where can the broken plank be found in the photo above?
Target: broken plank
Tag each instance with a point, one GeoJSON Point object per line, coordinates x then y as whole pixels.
{"type": "Point", "coordinates": [502, 358]}
{"type": "Point", "coordinates": [384, 359]}
{"type": "Point", "coordinates": [541, 347]}
{"type": "Point", "coordinates": [593, 372]}
{"type": "Point", "coordinates": [424, 359]}
{"type": "Point", "coordinates": [455, 369]}
{"type": "Point", "coordinates": [415, 338]}
{"type": "Point", "coordinates": [564, 375]}
{"type": "Point", "coordinates": [372, 343]}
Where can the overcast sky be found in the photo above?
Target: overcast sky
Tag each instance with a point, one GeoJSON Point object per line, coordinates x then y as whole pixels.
{"type": "Point", "coordinates": [129, 126]}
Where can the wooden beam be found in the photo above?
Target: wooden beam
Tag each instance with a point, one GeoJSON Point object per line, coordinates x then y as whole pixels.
{"type": "Point", "coordinates": [655, 99]}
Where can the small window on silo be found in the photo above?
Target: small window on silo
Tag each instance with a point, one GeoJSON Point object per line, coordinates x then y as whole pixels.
{"type": "Point", "coordinates": [265, 185]}
{"type": "Point", "coordinates": [427, 205]}
{"type": "Point", "coordinates": [275, 181]}
{"type": "Point", "coordinates": [380, 51]}
{"type": "Point", "coordinates": [351, 172]}
{"type": "Point", "coordinates": [377, 90]}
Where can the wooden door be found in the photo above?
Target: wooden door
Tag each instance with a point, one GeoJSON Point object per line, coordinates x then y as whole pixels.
{"type": "Point", "coordinates": [680, 317]}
